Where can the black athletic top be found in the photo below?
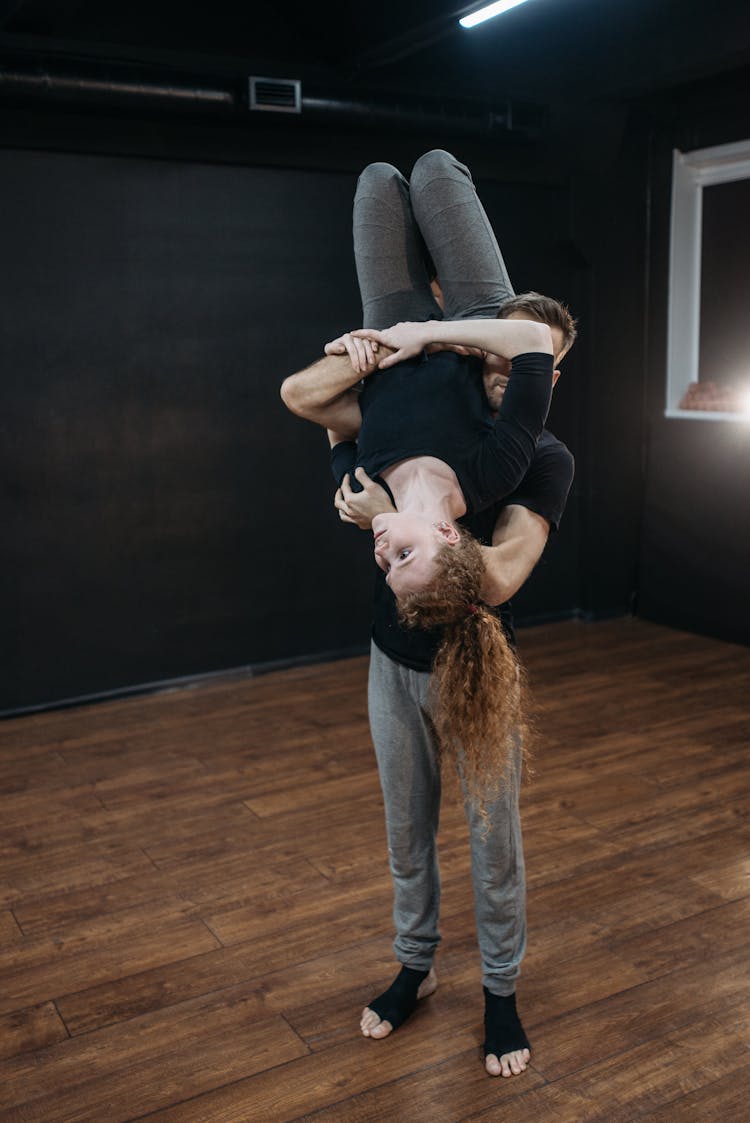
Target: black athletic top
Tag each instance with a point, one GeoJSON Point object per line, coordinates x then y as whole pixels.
{"type": "Point", "coordinates": [435, 405]}
{"type": "Point", "coordinates": [544, 490]}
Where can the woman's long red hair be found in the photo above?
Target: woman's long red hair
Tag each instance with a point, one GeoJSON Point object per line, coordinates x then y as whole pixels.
{"type": "Point", "coordinates": [479, 708]}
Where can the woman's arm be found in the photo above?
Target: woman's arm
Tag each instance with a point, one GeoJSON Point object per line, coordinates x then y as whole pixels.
{"type": "Point", "coordinates": [507, 338]}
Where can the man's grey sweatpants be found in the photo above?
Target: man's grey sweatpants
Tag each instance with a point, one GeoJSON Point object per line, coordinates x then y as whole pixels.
{"type": "Point", "coordinates": [405, 746]}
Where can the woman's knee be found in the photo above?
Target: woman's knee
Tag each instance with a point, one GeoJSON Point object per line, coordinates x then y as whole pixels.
{"type": "Point", "coordinates": [378, 177]}
{"type": "Point", "coordinates": [435, 163]}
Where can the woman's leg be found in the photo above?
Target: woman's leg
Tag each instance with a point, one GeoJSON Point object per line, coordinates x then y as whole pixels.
{"type": "Point", "coordinates": [459, 237]}
{"type": "Point", "coordinates": [389, 251]}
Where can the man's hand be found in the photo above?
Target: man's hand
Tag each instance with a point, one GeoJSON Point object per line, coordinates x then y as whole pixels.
{"type": "Point", "coordinates": [363, 353]}
{"type": "Point", "coordinates": [361, 507]}
{"type": "Point", "coordinates": [407, 339]}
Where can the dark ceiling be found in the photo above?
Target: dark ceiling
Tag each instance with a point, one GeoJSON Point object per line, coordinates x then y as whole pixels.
{"type": "Point", "coordinates": [545, 48]}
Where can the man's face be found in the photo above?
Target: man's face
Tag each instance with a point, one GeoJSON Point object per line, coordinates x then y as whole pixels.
{"type": "Point", "coordinates": [496, 370]}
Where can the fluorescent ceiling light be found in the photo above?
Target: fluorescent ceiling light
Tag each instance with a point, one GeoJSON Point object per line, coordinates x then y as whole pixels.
{"type": "Point", "coordinates": [488, 12]}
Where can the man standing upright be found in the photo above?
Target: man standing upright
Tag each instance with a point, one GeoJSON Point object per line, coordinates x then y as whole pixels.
{"type": "Point", "coordinates": [404, 233]}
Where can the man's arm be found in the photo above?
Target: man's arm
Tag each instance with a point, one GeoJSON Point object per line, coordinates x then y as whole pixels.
{"type": "Point", "coordinates": [361, 507]}
{"type": "Point", "coordinates": [323, 393]}
{"type": "Point", "coordinates": [524, 523]}
{"type": "Point", "coordinates": [518, 542]}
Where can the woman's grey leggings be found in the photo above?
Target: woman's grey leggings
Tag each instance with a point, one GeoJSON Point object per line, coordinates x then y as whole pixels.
{"type": "Point", "coordinates": [405, 747]}
{"type": "Point", "coordinates": [405, 232]}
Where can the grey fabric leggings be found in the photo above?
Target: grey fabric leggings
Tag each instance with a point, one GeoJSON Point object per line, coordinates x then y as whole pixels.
{"type": "Point", "coordinates": [405, 746]}
{"type": "Point", "coordinates": [404, 229]}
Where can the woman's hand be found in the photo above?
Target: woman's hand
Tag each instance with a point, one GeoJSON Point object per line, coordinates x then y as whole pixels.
{"type": "Point", "coordinates": [361, 507]}
{"type": "Point", "coordinates": [362, 352]}
{"type": "Point", "coordinates": [406, 339]}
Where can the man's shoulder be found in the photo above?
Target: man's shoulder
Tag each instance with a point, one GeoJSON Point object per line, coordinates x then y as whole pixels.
{"type": "Point", "coordinates": [549, 442]}
{"type": "Point", "coordinates": [551, 451]}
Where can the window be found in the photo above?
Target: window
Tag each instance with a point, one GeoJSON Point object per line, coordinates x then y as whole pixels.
{"type": "Point", "coordinates": [709, 286]}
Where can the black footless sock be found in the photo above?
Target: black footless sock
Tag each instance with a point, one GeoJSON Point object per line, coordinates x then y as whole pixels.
{"type": "Point", "coordinates": [503, 1032]}
{"type": "Point", "coordinates": [399, 1001]}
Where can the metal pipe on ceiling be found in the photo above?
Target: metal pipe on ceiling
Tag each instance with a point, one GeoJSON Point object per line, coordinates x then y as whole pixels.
{"type": "Point", "coordinates": [43, 82]}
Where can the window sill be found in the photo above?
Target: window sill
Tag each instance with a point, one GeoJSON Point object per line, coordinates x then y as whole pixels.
{"type": "Point", "coordinates": [705, 415]}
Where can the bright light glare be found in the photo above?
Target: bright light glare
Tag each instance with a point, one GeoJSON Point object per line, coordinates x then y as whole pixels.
{"type": "Point", "coordinates": [489, 12]}
{"type": "Point", "coordinates": [745, 402]}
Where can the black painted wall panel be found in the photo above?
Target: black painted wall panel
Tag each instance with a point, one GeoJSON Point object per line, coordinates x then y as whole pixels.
{"type": "Point", "coordinates": [695, 569]}
{"type": "Point", "coordinates": [166, 517]}
{"type": "Point", "coordinates": [151, 310]}
{"type": "Point", "coordinates": [695, 546]}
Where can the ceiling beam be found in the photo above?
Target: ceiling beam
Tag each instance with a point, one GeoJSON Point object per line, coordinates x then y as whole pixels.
{"type": "Point", "coordinates": [9, 8]}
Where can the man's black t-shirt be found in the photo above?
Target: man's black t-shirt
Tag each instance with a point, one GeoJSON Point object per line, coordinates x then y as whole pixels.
{"type": "Point", "coordinates": [543, 490]}
{"type": "Point", "coordinates": [435, 405]}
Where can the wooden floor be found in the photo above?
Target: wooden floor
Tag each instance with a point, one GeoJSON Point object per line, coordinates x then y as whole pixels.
{"type": "Point", "coordinates": [195, 903]}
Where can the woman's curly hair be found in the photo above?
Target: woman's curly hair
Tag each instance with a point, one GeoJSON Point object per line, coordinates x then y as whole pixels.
{"type": "Point", "coordinates": [479, 704]}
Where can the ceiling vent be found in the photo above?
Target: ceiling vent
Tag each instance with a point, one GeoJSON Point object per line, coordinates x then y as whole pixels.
{"type": "Point", "coordinates": [276, 95]}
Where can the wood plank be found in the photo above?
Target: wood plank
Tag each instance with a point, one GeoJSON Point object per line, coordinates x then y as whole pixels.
{"type": "Point", "coordinates": [551, 1101]}
{"type": "Point", "coordinates": [10, 933]}
{"type": "Point", "coordinates": [698, 1054]}
{"type": "Point", "coordinates": [651, 1010]}
{"type": "Point", "coordinates": [644, 1082]}
{"type": "Point", "coordinates": [319, 1080]}
{"type": "Point", "coordinates": [316, 794]}
{"type": "Point", "coordinates": [98, 950]}
{"type": "Point", "coordinates": [26, 1031]}
{"type": "Point", "coordinates": [593, 892]}
{"type": "Point", "coordinates": [634, 911]}
{"type": "Point", "coordinates": [21, 809]}
{"type": "Point", "coordinates": [437, 1092]}
{"type": "Point", "coordinates": [74, 867]}
{"type": "Point", "coordinates": [312, 919]}
{"type": "Point", "coordinates": [722, 1101]}
{"type": "Point", "coordinates": [129, 1069]}
{"type": "Point", "coordinates": [678, 946]}
{"type": "Point", "coordinates": [172, 983]}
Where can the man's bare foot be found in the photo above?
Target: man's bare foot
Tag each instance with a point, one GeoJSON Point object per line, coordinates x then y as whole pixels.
{"type": "Point", "coordinates": [371, 1023]}
{"type": "Point", "coordinates": [509, 1064]}
{"type": "Point", "coordinates": [506, 1046]}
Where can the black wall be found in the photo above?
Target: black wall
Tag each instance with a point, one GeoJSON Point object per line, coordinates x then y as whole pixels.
{"type": "Point", "coordinates": [162, 519]}
{"type": "Point", "coordinates": [695, 548]}
{"type": "Point", "coordinates": [165, 516]}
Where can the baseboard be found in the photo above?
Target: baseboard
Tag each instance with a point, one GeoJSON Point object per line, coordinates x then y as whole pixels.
{"type": "Point", "coordinates": [188, 682]}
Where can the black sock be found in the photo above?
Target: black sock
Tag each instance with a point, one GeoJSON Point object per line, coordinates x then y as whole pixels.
{"type": "Point", "coordinates": [399, 1001]}
{"type": "Point", "coordinates": [503, 1032]}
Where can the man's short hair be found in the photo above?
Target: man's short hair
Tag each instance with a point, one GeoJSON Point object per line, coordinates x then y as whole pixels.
{"type": "Point", "coordinates": [545, 310]}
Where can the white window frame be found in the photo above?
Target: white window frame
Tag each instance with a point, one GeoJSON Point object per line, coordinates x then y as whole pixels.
{"type": "Point", "coordinates": [691, 172]}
